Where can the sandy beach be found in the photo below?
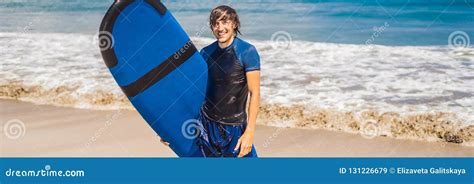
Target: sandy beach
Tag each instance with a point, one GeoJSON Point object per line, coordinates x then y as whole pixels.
{"type": "Point", "coordinates": [50, 131]}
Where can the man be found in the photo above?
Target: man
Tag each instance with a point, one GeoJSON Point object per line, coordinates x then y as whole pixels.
{"type": "Point", "coordinates": [234, 73]}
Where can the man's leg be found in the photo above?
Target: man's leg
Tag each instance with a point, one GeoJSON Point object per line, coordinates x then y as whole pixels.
{"type": "Point", "coordinates": [205, 140]}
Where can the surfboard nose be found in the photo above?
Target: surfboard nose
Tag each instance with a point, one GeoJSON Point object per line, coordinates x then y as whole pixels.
{"type": "Point", "coordinates": [160, 36]}
{"type": "Point", "coordinates": [117, 11]}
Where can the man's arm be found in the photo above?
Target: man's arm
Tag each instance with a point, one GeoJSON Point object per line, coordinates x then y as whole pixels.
{"type": "Point", "coordinates": [246, 140]}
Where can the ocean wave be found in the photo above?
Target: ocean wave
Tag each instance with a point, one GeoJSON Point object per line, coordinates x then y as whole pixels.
{"type": "Point", "coordinates": [303, 83]}
{"type": "Point", "coordinates": [65, 96]}
{"type": "Point", "coordinates": [433, 126]}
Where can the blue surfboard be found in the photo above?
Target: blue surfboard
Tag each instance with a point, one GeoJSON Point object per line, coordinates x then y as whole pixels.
{"type": "Point", "coordinates": [157, 67]}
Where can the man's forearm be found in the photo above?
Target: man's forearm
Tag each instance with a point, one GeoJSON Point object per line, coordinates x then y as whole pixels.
{"type": "Point", "coordinates": [253, 111]}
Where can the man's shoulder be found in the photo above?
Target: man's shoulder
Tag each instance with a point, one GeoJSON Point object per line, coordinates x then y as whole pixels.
{"type": "Point", "coordinates": [244, 49]}
{"type": "Point", "coordinates": [247, 55]}
{"type": "Point", "coordinates": [243, 46]}
{"type": "Point", "coordinates": [210, 48]}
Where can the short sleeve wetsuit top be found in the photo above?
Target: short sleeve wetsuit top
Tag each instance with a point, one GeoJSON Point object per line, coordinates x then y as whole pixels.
{"type": "Point", "coordinates": [227, 89]}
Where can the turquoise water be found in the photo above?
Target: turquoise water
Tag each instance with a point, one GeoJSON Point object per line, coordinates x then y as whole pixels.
{"type": "Point", "coordinates": [406, 22]}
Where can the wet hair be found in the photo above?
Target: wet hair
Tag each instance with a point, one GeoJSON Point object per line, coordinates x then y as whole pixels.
{"type": "Point", "coordinates": [229, 14]}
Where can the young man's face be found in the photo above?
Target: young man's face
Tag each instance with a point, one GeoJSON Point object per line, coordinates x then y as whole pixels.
{"type": "Point", "coordinates": [223, 30]}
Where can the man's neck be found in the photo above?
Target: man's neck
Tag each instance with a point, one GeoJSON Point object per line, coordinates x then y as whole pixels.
{"type": "Point", "coordinates": [226, 44]}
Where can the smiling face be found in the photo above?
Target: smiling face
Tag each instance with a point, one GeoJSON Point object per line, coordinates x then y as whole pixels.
{"type": "Point", "coordinates": [223, 30]}
{"type": "Point", "coordinates": [225, 24]}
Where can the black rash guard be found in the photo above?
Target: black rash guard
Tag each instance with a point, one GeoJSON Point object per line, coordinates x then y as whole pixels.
{"type": "Point", "coordinates": [227, 89]}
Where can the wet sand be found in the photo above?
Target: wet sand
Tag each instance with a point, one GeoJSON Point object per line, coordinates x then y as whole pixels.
{"type": "Point", "coordinates": [50, 131]}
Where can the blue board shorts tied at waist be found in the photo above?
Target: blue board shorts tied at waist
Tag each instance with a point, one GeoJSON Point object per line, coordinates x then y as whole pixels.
{"type": "Point", "coordinates": [219, 140]}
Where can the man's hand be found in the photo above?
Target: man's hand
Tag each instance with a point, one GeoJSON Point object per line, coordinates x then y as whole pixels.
{"type": "Point", "coordinates": [164, 142]}
{"type": "Point", "coordinates": [245, 143]}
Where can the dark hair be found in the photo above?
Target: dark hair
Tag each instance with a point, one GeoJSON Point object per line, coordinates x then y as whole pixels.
{"type": "Point", "coordinates": [229, 14]}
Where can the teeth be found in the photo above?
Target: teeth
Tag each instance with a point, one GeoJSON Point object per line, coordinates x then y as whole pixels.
{"type": "Point", "coordinates": [221, 33]}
